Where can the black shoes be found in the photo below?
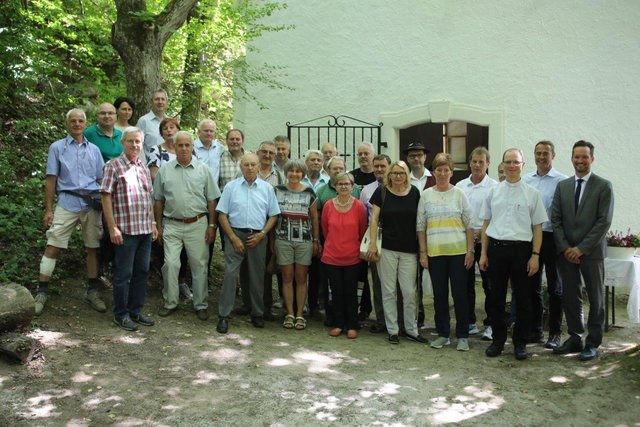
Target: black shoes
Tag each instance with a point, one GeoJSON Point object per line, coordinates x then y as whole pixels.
{"type": "Point", "coordinates": [269, 316]}
{"type": "Point", "coordinates": [494, 350]}
{"type": "Point", "coordinates": [202, 314]}
{"type": "Point", "coordinates": [553, 341]}
{"type": "Point", "coordinates": [572, 345]}
{"type": "Point", "coordinates": [223, 325]}
{"type": "Point", "coordinates": [377, 329]}
{"type": "Point", "coordinates": [418, 338]}
{"type": "Point", "coordinates": [520, 351]}
{"type": "Point", "coordinates": [257, 321]}
{"type": "Point", "coordinates": [126, 323]}
{"type": "Point", "coordinates": [143, 320]}
{"type": "Point", "coordinates": [164, 311]}
{"type": "Point", "coordinates": [242, 311]}
{"type": "Point", "coordinates": [536, 338]}
{"type": "Point", "coordinates": [393, 339]}
{"type": "Point", "coordinates": [589, 353]}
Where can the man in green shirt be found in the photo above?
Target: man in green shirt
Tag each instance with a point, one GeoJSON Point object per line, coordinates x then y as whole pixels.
{"type": "Point", "coordinates": [103, 134]}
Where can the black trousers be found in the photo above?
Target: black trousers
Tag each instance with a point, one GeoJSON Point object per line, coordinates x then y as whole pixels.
{"type": "Point", "coordinates": [548, 258]}
{"type": "Point", "coordinates": [471, 289]}
{"type": "Point", "coordinates": [343, 281]}
{"type": "Point", "coordinates": [508, 260]}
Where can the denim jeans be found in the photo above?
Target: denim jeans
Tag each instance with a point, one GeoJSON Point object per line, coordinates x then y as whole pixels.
{"type": "Point", "coordinates": [131, 274]}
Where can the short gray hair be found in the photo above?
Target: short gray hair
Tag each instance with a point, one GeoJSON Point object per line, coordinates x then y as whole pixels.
{"type": "Point", "coordinates": [269, 143]}
{"type": "Point", "coordinates": [335, 158]}
{"type": "Point", "coordinates": [310, 152]}
{"type": "Point", "coordinates": [182, 133]}
{"type": "Point", "coordinates": [368, 145]}
{"type": "Point", "coordinates": [131, 129]}
{"type": "Point", "coordinates": [75, 110]}
{"type": "Point", "coordinates": [206, 121]}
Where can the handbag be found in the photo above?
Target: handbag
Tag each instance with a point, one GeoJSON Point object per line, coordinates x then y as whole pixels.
{"type": "Point", "coordinates": [366, 239]}
{"type": "Point", "coordinates": [94, 200]}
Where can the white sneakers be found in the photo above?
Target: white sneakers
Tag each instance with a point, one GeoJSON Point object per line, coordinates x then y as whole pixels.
{"type": "Point", "coordinates": [487, 335]}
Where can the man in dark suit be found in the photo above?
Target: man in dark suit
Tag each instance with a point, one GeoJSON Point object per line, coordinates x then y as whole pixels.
{"type": "Point", "coordinates": [581, 216]}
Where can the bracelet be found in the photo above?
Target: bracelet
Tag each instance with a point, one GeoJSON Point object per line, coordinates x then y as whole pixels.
{"type": "Point", "coordinates": [535, 253]}
{"type": "Point", "coordinates": [214, 226]}
{"type": "Point", "coordinates": [316, 240]}
{"type": "Point", "coordinates": [153, 223]}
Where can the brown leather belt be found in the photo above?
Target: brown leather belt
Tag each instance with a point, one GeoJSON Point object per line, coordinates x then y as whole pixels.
{"type": "Point", "coordinates": [188, 220]}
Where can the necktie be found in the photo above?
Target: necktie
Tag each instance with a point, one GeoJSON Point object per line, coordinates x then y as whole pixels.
{"type": "Point", "coordinates": [577, 197]}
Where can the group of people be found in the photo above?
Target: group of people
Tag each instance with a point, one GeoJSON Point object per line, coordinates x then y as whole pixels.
{"type": "Point", "coordinates": [309, 216]}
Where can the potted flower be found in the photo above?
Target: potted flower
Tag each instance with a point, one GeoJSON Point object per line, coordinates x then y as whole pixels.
{"type": "Point", "coordinates": [622, 246]}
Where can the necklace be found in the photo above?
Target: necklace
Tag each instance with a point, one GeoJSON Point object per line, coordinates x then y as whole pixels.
{"type": "Point", "coordinates": [337, 202]}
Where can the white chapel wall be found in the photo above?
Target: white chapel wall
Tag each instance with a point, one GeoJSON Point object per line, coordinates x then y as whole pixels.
{"type": "Point", "coordinates": [561, 71]}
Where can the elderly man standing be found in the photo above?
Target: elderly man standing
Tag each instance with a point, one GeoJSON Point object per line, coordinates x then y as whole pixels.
{"type": "Point", "coordinates": [545, 179]}
{"type": "Point", "coordinates": [477, 187]}
{"type": "Point", "coordinates": [248, 210]}
{"type": "Point", "coordinates": [581, 215]}
{"type": "Point", "coordinates": [364, 175]}
{"type": "Point", "coordinates": [185, 200]}
{"type": "Point", "coordinates": [316, 177]}
{"type": "Point", "coordinates": [128, 212]}
{"type": "Point", "coordinates": [208, 148]}
{"type": "Point", "coordinates": [150, 122]}
{"type": "Point", "coordinates": [103, 134]}
{"type": "Point", "coordinates": [74, 171]}
{"type": "Point", "coordinates": [329, 151]}
{"type": "Point", "coordinates": [267, 171]}
{"type": "Point", "coordinates": [283, 150]}
{"type": "Point", "coordinates": [380, 164]}
{"type": "Point", "coordinates": [513, 215]}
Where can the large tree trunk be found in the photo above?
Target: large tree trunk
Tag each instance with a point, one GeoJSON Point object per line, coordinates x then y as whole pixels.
{"type": "Point", "coordinates": [139, 38]}
{"type": "Point", "coordinates": [16, 307]}
{"type": "Point", "coordinates": [191, 89]}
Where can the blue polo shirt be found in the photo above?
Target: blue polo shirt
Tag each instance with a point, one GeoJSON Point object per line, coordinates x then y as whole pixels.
{"type": "Point", "coordinates": [78, 168]}
{"type": "Point", "coordinates": [248, 206]}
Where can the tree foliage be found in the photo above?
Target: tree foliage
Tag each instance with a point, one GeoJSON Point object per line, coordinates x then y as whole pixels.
{"type": "Point", "coordinates": [58, 54]}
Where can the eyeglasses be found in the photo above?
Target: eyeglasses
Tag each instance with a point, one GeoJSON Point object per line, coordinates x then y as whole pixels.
{"type": "Point", "coordinates": [106, 113]}
{"type": "Point", "coordinates": [415, 156]}
{"type": "Point", "coordinates": [398, 173]}
{"type": "Point", "coordinates": [343, 184]}
{"type": "Point", "coordinates": [512, 162]}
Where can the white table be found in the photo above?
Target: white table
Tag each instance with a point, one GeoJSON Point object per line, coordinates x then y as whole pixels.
{"type": "Point", "coordinates": [622, 274]}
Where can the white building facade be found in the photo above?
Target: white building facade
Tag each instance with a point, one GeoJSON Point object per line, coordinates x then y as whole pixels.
{"type": "Point", "coordinates": [530, 70]}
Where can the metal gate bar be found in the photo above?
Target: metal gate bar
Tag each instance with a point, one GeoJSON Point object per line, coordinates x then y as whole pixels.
{"type": "Point", "coordinates": [345, 132]}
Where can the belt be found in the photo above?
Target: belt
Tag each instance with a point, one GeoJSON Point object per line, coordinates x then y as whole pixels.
{"type": "Point", "coordinates": [247, 230]}
{"type": "Point", "coordinates": [496, 242]}
{"type": "Point", "coordinates": [188, 220]}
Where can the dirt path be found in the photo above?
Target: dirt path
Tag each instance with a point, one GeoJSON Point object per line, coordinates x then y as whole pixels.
{"type": "Point", "coordinates": [181, 372]}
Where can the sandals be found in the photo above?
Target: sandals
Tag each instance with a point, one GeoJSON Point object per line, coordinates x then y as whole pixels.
{"type": "Point", "coordinates": [288, 322]}
{"type": "Point", "coordinates": [300, 323]}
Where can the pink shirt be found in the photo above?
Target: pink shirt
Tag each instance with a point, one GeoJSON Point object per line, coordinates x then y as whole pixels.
{"type": "Point", "coordinates": [342, 233]}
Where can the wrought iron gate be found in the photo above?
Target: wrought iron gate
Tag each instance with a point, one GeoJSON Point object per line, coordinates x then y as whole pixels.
{"type": "Point", "coordinates": [345, 132]}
